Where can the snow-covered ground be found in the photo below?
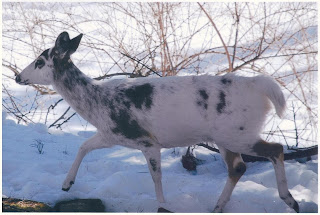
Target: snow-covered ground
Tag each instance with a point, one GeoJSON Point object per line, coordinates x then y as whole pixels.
{"type": "Point", "coordinates": [119, 176]}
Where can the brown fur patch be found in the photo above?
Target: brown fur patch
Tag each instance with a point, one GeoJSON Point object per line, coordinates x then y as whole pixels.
{"type": "Point", "coordinates": [235, 172]}
{"type": "Point", "coordinates": [268, 150]}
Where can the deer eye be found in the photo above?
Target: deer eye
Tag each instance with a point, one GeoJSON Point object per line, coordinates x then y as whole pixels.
{"type": "Point", "coordinates": [39, 64]}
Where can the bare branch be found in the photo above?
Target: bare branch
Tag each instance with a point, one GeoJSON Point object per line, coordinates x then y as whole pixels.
{"type": "Point", "coordinates": [215, 27]}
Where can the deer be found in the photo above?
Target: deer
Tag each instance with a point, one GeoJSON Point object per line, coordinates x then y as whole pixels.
{"type": "Point", "coordinates": [152, 113]}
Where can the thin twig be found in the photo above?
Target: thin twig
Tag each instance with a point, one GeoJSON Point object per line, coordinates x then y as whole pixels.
{"type": "Point", "coordinates": [285, 139]}
{"type": "Point", "coordinates": [295, 125]}
{"type": "Point", "coordinates": [52, 107]}
{"type": "Point", "coordinates": [115, 74]}
{"type": "Point", "coordinates": [139, 62]}
{"type": "Point", "coordinates": [59, 126]}
{"type": "Point", "coordinates": [215, 27]}
{"type": "Point", "coordinates": [60, 118]}
{"type": "Point", "coordinates": [236, 37]}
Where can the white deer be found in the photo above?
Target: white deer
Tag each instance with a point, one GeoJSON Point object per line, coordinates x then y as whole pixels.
{"type": "Point", "coordinates": [153, 113]}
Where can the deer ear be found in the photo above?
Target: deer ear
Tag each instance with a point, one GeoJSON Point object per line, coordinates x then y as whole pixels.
{"type": "Point", "coordinates": [64, 47]}
{"type": "Point", "coordinates": [62, 41]}
{"type": "Point", "coordinates": [74, 44]}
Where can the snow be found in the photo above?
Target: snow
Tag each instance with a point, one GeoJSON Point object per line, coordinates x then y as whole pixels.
{"type": "Point", "coordinates": [120, 178]}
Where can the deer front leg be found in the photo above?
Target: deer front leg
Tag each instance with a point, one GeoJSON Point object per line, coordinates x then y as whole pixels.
{"type": "Point", "coordinates": [153, 157]}
{"type": "Point", "coordinates": [95, 142]}
{"type": "Point", "coordinates": [236, 168]}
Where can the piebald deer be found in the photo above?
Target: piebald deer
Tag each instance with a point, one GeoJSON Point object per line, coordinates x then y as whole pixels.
{"type": "Point", "coordinates": [153, 113]}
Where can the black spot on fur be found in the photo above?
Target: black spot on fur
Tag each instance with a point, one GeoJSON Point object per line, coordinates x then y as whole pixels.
{"type": "Point", "coordinates": [106, 101]}
{"type": "Point", "coordinates": [204, 94]}
{"type": "Point", "coordinates": [202, 102]}
{"type": "Point", "coordinates": [145, 143]}
{"type": "Point", "coordinates": [226, 81]}
{"type": "Point", "coordinates": [82, 80]}
{"type": "Point", "coordinates": [241, 128]}
{"type": "Point", "coordinates": [120, 104]}
{"type": "Point", "coordinates": [238, 171]}
{"type": "Point", "coordinates": [61, 67]}
{"type": "Point", "coordinates": [153, 163]}
{"type": "Point", "coordinates": [241, 168]}
{"type": "Point", "coordinates": [67, 84]}
{"type": "Point", "coordinates": [67, 73]}
{"type": "Point", "coordinates": [140, 95]}
{"type": "Point", "coordinates": [222, 104]}
{"type": "Point", "coordinates": [72, 78]}
{"type": "Point", "coordinates": [126, 126]}
{"type": "Point", "coordinates": [45, 54]}
{"type": "Point", "coordinates": [127, 104]}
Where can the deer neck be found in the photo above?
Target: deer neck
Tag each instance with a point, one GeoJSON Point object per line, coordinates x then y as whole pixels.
{"type": "Point", "coordinates": [77, 89]}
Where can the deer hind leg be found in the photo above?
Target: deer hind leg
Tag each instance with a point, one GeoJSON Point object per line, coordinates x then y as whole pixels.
{"type": "Point", "coordinates": [236, 168]}
{"type": "Point", "coordinates": [274, 152]}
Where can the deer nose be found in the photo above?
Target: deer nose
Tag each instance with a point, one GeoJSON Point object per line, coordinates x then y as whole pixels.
{"type": "Point", "coordinates": [18, 79]}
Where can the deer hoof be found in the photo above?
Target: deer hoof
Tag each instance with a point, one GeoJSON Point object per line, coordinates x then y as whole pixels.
{"type": "Point", "coordinates": [68, 188]}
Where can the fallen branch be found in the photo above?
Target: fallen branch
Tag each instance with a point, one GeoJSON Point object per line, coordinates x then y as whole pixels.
{"type": "Point", "coordinates": [300, 153]}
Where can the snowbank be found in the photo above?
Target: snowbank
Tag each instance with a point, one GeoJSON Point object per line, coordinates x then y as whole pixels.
{"type": "Point", "coordinates": [119, 176]}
